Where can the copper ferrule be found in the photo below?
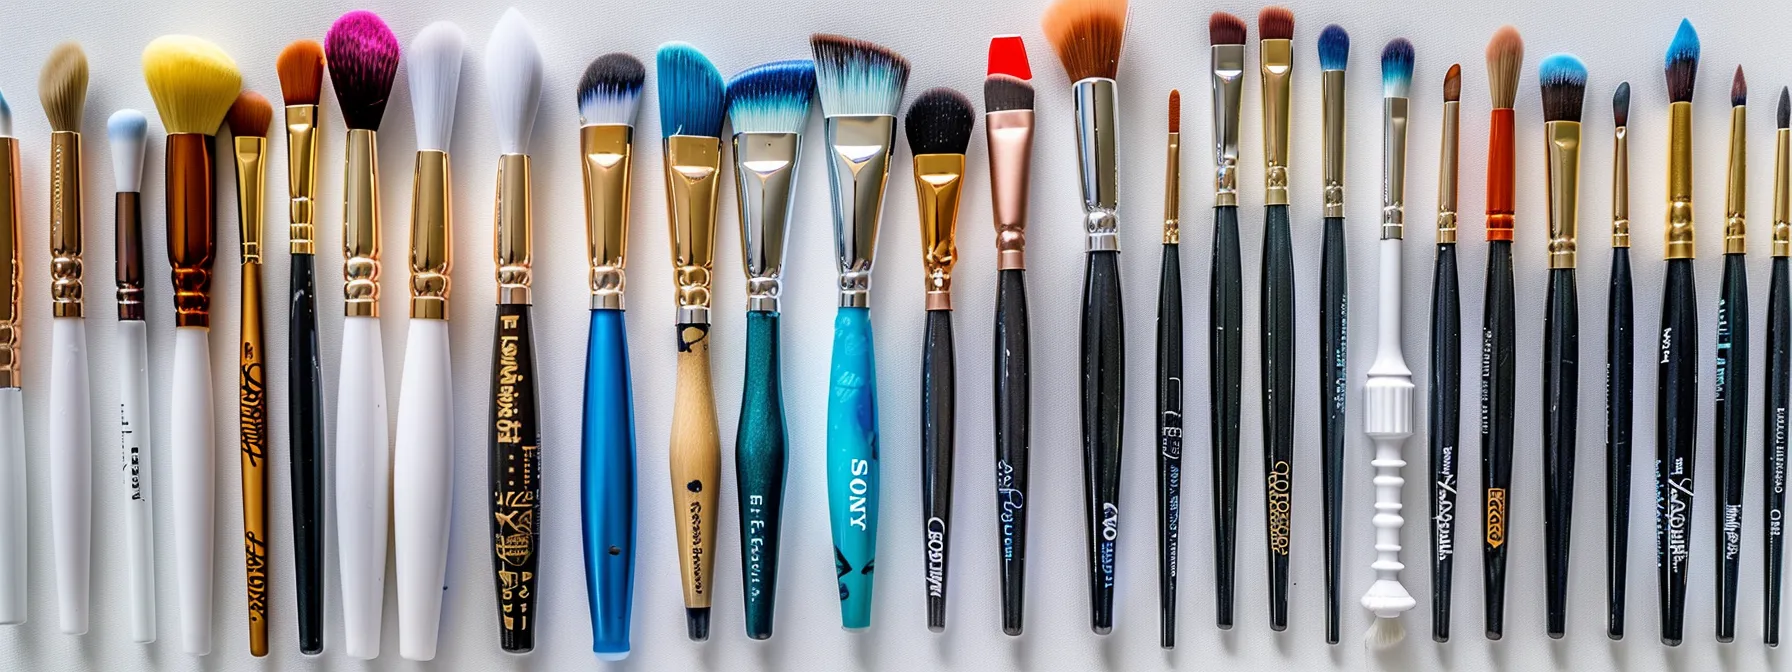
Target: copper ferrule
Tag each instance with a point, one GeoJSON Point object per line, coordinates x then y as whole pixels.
{"type": "Point", "coordinates": [1228, 87]}
{"type": "Point", "coordinates": [1621, 187]}
{"type": "Point", "coordinates": [693, 174]}
{"type": "Point", "coordinates": [432, 230]}
{"type": "Point", "coordinates": [1501, 172]}
{"type": "Point", "coordinates": [1277, 57]}
{"type": "Point", "coordinates": [514, 244]}
{"type": "Point", "coordinates": [606, 148]}
{"type": "Point", "coordinates": [1098, 149]}
{"type": "Point", "coordinates": [1679, 238]}
{"type": "Point", "coordinates": [65, 224]}
{"type": "Point", "coordinates": [191, 238]}
{"type": "Point", "coordinates": [938, 180]}
{"type": "Point", "coordinates": [361, 226]}
{"type": "Point", "coordinates": [9, 256]}
{"type": "Point", "coordinates": [251, 181]}
{"type": "Point", "coordinates": [858, 148]}
{"type": "Point", "coordinates": [1394, 113]}
{"type": "Point", "coordinates": [1173, 189]}
{"type": "Point", "coordinates": [1448, 173]}
{"type": "Point", "coordinates": [1736, 206]}
{"type": "Point", "coordinates": [1782, 193]}
{"type": "Point", "coordinates": [1010, 136]}
{"type": "Point", "coordinates": [128, 225]}
{"type": "Point", "coordinates": [1562, 148]}
{"type": "Point", "coordinates": [1331, 84]}
{"type": "Point", "coordinates": [764, 177]}
{"type": "Point", "coordinates": [301, 178]}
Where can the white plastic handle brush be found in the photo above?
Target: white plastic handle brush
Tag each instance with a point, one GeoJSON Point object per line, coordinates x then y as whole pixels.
{"type": "Point", "coordinates": [12, 506]}
{"type": "Point", "coordinates": [71, 471]}
{"type": "Point", "coordinates": [127, 129]}
{"type": "Point", "coordinates": [362, 467]}
{"type": "Point", "coordinates": [195, 483]}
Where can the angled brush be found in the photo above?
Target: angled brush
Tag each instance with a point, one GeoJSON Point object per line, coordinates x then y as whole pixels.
{"type": "Point", "coordinates": [1620, 358]}
{"type": "Point", "coordinates": [1444, 404]}
{"type": "Point", "coordinates": [1226, 34]}
{"type": "Point", "coordinates": [1275, 27]}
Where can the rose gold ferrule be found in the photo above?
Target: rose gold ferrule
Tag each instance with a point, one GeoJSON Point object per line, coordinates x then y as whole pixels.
{"type": "Point", "coordinates": [1782, 193]}
{"type": "Point", "coordinates": [1448, 164]}
{"type": "Point", "coordinates": [1277, 57]}
{"type": "Point", "coordinates": [1562, 147]}
{"type": "Point", "coordinates": [361, 226]}
{"type": "Point", "coordinates": [938, 180]}
{"type": "Point", "coordinates": [128, 227]}
{"type": "Point", "coordinates": [693, 172]}
{"type": "Point", "coordinates": [10, 273]}
{"type": "Point", "coordinates": [301, 178]}
{"type": "Point", "coordinates": [432, 234]}
{"type": "Point", "coordinates": [1010, 134]}
{"type": "Point", "coordinates": [65, 224]}
{"type": "Point", "coordinates": [1331, 84]}
{"type": "Point", "coordinates": [1173, 189]}
{"type": "Point", "coordinates": [251, 180]}
{"type": "Point", "coordinates": [1621, 187]}
{"type": "Point", "coordinates": [514, 245]}
{"type": "Point", "coordinates": [1679, 235]}
{"type": "Point", "coordinates": [191, 237]}
{"type": "Point", "coordinates": [606, 150]}
{"type": "Point", "coordinates": [1736, 206]}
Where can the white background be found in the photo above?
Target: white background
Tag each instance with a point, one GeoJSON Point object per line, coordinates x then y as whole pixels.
{"type": "Point", "coordinates": [946, 43]}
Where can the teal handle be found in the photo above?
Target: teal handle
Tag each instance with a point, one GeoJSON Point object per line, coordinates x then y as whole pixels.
{"type": "Point", "coordinates": [761, 451]}
{"type": "Point", "coordinates": [852, 463]}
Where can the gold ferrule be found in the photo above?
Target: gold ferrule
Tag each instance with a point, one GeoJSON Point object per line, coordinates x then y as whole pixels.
{"type": "Point", "coordinates": [1277, 57]}
{"type": "Point", "coordinates": [1447, 173]}
{"type": "Point", "coordinates": [1621, 187]}
{"type": "Point", "coordinates": [1394, 113]}
{"type": "Point", "coordinates": [251, 182]}
{"type": "Point", "coordinates": [514, 245]}
{"type": "Point", "coordinates": [1331, 84]}
{"type": "Point", "coordinates": [65, 224]}
{"type": "Point", "coordinates": [1228, 88]}
{"type": "Point", "coordinates": [432, 231]}
{"type": "Point", "coordinates": [1782, 193]}
{"type": "Point", "coordinates": [361, 226]}
{"type": "Point", "coordinates": [606, 148]}
{"type": "Point", "coordinates": [693, 174]}
{"type": "Point", "coordinates": [9, 263]}
{"type": "Point", "coordinates": [1173, 190]}
{"type": "Point", "coordinates": [1562, 147]}
{"type": "Point", "coordinates": [1679, 237]}
{"type": "Point", "coordinates": [764, 179]}
{"type": "Point", "coordinates": [1736, 206]}
{"type": "Point", "coordinates": [192, 235]}
{"type": "Point", "coordinates": [301, 178]}
{"type": "Point", "coordinates": [1010, 135]}
{"type": "Point", "coordinates": [938, 180]}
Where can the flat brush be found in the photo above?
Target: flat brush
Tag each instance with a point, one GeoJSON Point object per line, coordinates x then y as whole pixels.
{"type": "Point", "coordinates": [1731, 372]}
{"type": "Point", "coordinates": [1563, 80]}
{"type": "Point", "coordinates": [1334, 320]}
{"type": "Point", "coordinates": [1275, 25]}
{"type": "Point", "coordinates": [1779, 372]}
{"type": "Point", "coordinates": [1620, 359]}
{"type": "Point", "coordinates": [248, 120]}
{"type": "Point", "coordinates": [13, 531]}
{"type": "Point", "coordinates": [1505, 56]}
{"type": "Point", "coordinates": [127, 130]}
{"type": "Point", "coordinates": [1444, 405]}
{"type": "Point", "coordinates": [1676, 405]}
{"type": "Point", "coordinates": [1225, 303]}
{"type": "Point", "coordinates": [1169, 383]}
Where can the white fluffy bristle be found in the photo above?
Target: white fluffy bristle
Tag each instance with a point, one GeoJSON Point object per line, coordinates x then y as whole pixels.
{"type": "Point", "coordinates": [513, 70]}
{"type": "Point", "coordinates": [5, 117]}
{"type": "Point", "coordinates": [1384, 633]}
{"type": "Point", "coordinates": [434, 73]}
{"type": "Point", "coordinates": [127, 130]}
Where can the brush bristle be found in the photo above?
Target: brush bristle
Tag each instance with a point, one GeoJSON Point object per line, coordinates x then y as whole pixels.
{"type": "Point", "coordinates": [127, 130]}
{"type": "Point", "coordinates": [1505, 57]}
{"type": "Point", "coordinates": [5, 117]}
{"type": "Point", "coordinates": [1738, 89]}
{"type": "Point", "coordinates": [1175, 111]}
{"type": "Point", "coordinates": [1396, 68]}
{"type": "Point", "coordinates": [1683, 63]}
{"type": "Point", "coordinates": [192, 81]}
{"type": "Point", "coordinates": [301, 68]}
{"type": "Point", "coordinates": [939, 122]}
{"type": "Point", "coordinates": [513, 67]}
{"type": "Point", "coordinates": [1002, 93]}
{"type": "Point", "coordinates": [1453, 83]}
{"type": "Point", "coordinates": [693, 99]}
{"type": "Point", "coordinates": [1785, 111]}
{"type": "Point", "coordinates": [1088, 35]}
{"type": "Point", "coordinates": [772, 98]}
{"type": "Point", "coordinates": [434, 74]}
{"type": "Point", "coordinates": [855, 77]}
{"type": "Point", "coordinates": [250, 115]}
{"type": "Point", "coordinates": [1334, 48]}
{"type": "Point", "coordinates": [1223, 28]}
{"type": "Point", "coordinates": [362, 54]}
{"type": "Point", "coordinates": [1384, 633]}
{"type": "Point", "coordinates": [610, 90]}
{"type": "Point", "coordinates": [1008, 56]}
{"type": "Point", "coordinates": [1563, 78]}
{"type": "Point", "coordinates": [1621, 105]}
{"type": "Point", "coordinates": [62, 87]}
{"type": "Point", "coordinates": [1275, 23]}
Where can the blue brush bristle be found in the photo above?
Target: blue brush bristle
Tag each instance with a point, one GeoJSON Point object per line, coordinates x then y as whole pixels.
{"type": "Point", "coordinates": [127, 125]}
{"type": "Point", "coordinates": [1334, 48]}
{"type": "Point", "coordinates": [772, 98]}
{"type": "Point", "coordinates": [1396, 68]}
{"type": "Point", "coordinates": [855, 77]}
{"type": "Point", "coordinates": [1562, 69]}
{"type": "Point", "coordinates": [1686, 44]}
{"type": "Point", "coordinates": [691, 93]}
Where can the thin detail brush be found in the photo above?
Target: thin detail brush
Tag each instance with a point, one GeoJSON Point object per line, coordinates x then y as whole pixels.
{"type": "Point", "coordinates": [1779, 373]}
{"type": "Point", "coordinates": [1170, 387]}
{"type": "Point", "coordinates": [1620, 358]}
{"type": "Point", "coordinates": [1445, 400]}
{"type": "Point", "coordinates": [1334, 321]}
{"type": "Point", "coordinates": [248, 119]}
{"type": "Point", "coordinates": [1731, 373]}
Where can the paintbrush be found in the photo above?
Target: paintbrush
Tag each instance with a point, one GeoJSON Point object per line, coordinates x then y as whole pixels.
{"type": "Point", "coordinates": [1275, 27]}
{"type": "Point", "coordinates": [127, 130]}
{"type": "Point", "coordinates": [1779, 371]}
{"type": "Point", "coordinates": [1732, 368]}
{"type": "Point", "coordinates": [248, 120]}
{"type": "Point", "coordinates": [1444, 405]}
{"type": "Point", "coordinates": [1676, 405]}
{"type": "Point", "coordinates": [1619, 366]}
{"type": "Point", "coordinates": [1505, 56]}
{"type": "Point", "coordinates": [1169, 382]}
{"type": "Point", "coordinates": [1334, 312]}
{"type": "Point", "coordinates": [1563, 80]}
{"type": "Point", "coordinates": [1226, 302]}
{"type": "Point", "coordinates": [13, 530]}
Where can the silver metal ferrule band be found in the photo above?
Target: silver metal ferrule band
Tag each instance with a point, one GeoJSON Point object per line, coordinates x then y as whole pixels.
{"type": "Point", "coordinates": [1228, 90]}
{"type": "Point", "coordinates": [764, 174]}
{"type": "Point", "coordinates": [1393, 167]}
{"type": "Point", "coordinates": [1097, 147]}
{"type": "Point", "coordinates": [858, 167]}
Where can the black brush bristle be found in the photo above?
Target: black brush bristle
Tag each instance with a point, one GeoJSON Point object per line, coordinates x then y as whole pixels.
{"type": "Point", "coordinates": [1621, 105]}
{"type": "Point", "coordinates": [1785, 113]}
{"type": "Point", "coordinates": [1223, 28]}
{"type": "Point", "coordinates": [1738, 89]}
{"type": "Point", "coordinates": [1006, 92]}
{"type": "Point", "coordinates": [939, 122]}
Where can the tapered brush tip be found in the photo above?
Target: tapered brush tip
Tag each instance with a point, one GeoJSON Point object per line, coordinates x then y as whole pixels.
{"type": "Point", "coordinates": [1175, 111]}
{"type": "Point", "coordinates": [192, 81]}
{"type": "Point", "coordinates": [1087, 34]}
{"type": "Point", "coordinates": [856, 77]}
{"type": "Point", "coordinates": [433, 71]}
{"type": "Point", "coordinates": [939, 122]}
{"type": "Point", "coordinates": [610, 90]}
{"type": "Point", "coordinates": [772, 98]}
{"type": "Point", "coordinates": [1334, 48]}
{"type": "Point", "coordinates": [250, 115]}
{"type": "Point", "coordinates": [1563, 79]}
{"type": "Point", "coordinates": [1621, 105]}
{"type": "Point", "coordinates": [301, 69]}
{"type": "Point", "coordinates": [1453, 83]}
{"type": "Point", "coordinates": [1738, 89]}
{"type": "Point", "coordinates": [1396, 68]}
{"type": "Point", "coordinates": [1683, 63]}
{"type": "Point", "coordinates": [62, 86]}
{"type": "Point", "coordinates": [1008, 56]}
{"type": "Point", "coordinates": [692, 96]}
{"type": "Point", "coordinates": [1224, 28]}
{"type": "Point", "coordinates": [127, 130]}
{"type": "Point", "coordinates": [514, 68]}
{"type": "Point", "coordinates": [1505, 57]}
{"type": "Point", "coordinates": [1785, 111]}
{"type": "Point", "coordinates": [1275, 23]}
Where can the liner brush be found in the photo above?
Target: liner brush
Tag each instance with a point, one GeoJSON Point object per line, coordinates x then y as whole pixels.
{"type": "Point", "coordinates": [1779, 371]}
{"type": "Point", "coordinates": [1505, 57]}
{"type": "Point", "coordinates": [609, 98]}
{"type": "Point", "coordinates": [1732, 368]}
{"type": "Point", "coordinates": [1169, 383]}
{"type": "Point", "coordinates": [127, 130]}
{"type": "Point", "coordinates": [13, 531]}
{"type": "Point", "coordinates": [1226, 302]}
{"type": "Point", "coordinates": [1563, 79]}
{"type": "Point", "coordinates": [1087, 34]}
{"type": "Point", "coordinates": [1275, 25]}
{"type": "Point", "coordinates": [1334, 311]}
{"type": "Point", "coordinates": [1620, 358]}
{"type": "Point", "coordinates": [194, 84]}
{"type": "Point", "coordinates": [248, 119]}
{"type": "Point", "coordinates": [1676, 406]}
{"type": "Point", "coordinates": [1445, 401]}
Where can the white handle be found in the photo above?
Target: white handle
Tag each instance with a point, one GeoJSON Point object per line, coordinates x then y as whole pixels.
{"type": "Point", "coordinates": [423, 487]}
{"type": "Point", "coordinates": [133, 445]}
{"type": "Point", "coordinates": [194, 470]}
{"type": "Point", "coordinates": [363, 452]}
{"type": "Point", "coordinates": [1387, 419]}
{"type": "Point", "coordinates": [12, 506]}
{"type": "Point", "coordinates": [71, 471]}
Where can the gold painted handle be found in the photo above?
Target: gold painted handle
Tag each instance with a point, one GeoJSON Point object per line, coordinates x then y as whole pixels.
{"type": "Point", "coordinates": [252, 440]}
{"type": "Point", "coordinates": [696, 463]}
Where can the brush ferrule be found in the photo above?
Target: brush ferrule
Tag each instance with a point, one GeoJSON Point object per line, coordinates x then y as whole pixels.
{"type": "Point", "coordinates": [361, 226]}
{"type": "Point", "coordinates": [251, 180]}
{"type": "Point", "coordinates": [939, 179]}
{"type": "Point", "coordinates": [606, 148]}
{"type": "Point", "coordinates": [1394, 113]}
{"type": "Point", "coordinates": [693, 174]}
{"type": "Point", "coordinates": [858, 167]}
{"type": "Point", "coordinates": [1501, 172]}
{"type": "Point", "coordinates": [1782, 193]}
{"type": "Point", "coordinates": [513, 246]}
{"type": "Point", "coordinates": [1098, 146]}
{"type": "Point", "coordinates": [1277, 57]}
{"type": "Point", "coordinates": [10, 273]}
{"type": "Point", "coordinates": [1010, 136]}
{"type": "Point", "coordinates": [301, 178]}
{"type": "Point", "coordinates": [1562, 147]}
{"type": "Point", "coordinates": [128, 227]}
{"type": "Point", "coordinates": [431, 232]}
{"type": "Point", "coordinates": [1448, 173]}
{"type": "Point", "coordinates": [1679, 237]}
{"type": "Point", "coordinates": [1331, 84]}
{"type": "Point", "coordinates": [1736, 205]}
{"type": "Point", "coordinates": [1621, 187]}
{"type": "Point", "coordinates": [65, 224]}
{"type": "Point", "coordinates": [1173, 189]}
{"type": "Point", "coordinates": [1228, 89]}
{"type": "Point", "coordinates": [191, 238]}
{"type": "Point", "coordinates": [764, 177]}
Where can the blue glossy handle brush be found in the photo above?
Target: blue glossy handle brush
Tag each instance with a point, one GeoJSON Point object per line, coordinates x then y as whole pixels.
{"type": "Point", "coordinates": [852, 463]}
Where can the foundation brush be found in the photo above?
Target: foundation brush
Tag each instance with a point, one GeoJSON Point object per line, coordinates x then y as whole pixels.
{"type": "Point", "coordinates": [1779, 372]}
{"type": "Point", "coordinates": [1563, 79]}
{"type": "Point", "coordinates": [13, 531]}
{"type": "Point", "coordinates": [1676, 405]}
{"type": "Point", "coordinates": [127, 130]}
{"type": "Point", "coordinates": [1732, 368]}
{"type": "Point", "coordinates": [860, 85]}
{"type": "Point", "coordinates": [1620, 358]}
{"type": "Point", "coordinates": [193, 83]}
{"type": "Point", "coordinates": [1444, 406]}
{"type": "Point", "coordinates": [1226, 303]}
{"type": "Point", "coordinates": [1087, 35]}
{"type": "Point", "coordinates": [1334, 311]}
{"type": "Point", "coordinates": [1505, 56]}
{"type": "Point", "coordinates": [248, 120]}
{"type": "Point", "coordinates": [1275, 25]}
{"type": "Point", "coordinates": [1169, 383]}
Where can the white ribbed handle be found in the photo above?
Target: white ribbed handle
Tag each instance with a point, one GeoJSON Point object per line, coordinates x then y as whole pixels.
{"type": "Point", "coordinates": [363, 452]}
{"type": "Point", "coordinates": [12, 506]}
{"type": "Point", "coordinates": [1387, 419]}
{"type": "Point", "coordinates": [423, 487]}
{"type": "Point", "coordinates": [194, 470]}
{"type": "Point", "coordinates": [133, 447]}
{"type": "Point", "coordinates": [71, 471]}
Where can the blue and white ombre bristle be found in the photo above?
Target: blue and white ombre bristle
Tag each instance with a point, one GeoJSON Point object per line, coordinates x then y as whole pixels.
{"type": "Point", "coordinates": [1334, 48]}
{"type": "Point", "coordinates": [1683, 63]}
{"type": "Point", "coordinates": [772, 98]}
{"type": "Point", "coordinates": [610, 90]}
{"type": "Point", "coordinates": [126, 130]}
{"type": "Point", "coordinates": [5, 117]}
{"type": "Point", "coordinates": [1562, 70]}
{"type": "Point", "coordinates": [692, 97]}
{"type": "Point", "coordinates": [1396, 68]}
{"type": "Point", "coordinates": [854, 77]}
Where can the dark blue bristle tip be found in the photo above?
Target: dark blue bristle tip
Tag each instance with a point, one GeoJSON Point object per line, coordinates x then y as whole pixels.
{"type": "Point", "coordinates": [1334, 48]}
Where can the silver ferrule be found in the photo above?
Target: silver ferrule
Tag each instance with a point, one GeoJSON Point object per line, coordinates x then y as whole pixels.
{"type": "Point", "coordinates": [1393, 167]}
{"type": "Point", "coordinates": [1097, 148]}
{"type": "Point", "coordinates": [858, 167]}
{"type": "Point", "coordinates": [764, 173]}
{"type": "Point", "coordinates": [1228, 89]}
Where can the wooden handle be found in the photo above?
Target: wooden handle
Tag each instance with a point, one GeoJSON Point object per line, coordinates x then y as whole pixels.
{"type": "Point", "coordinates": [252, 441]}
{"type": "Point", "coordinates": [696, 463]}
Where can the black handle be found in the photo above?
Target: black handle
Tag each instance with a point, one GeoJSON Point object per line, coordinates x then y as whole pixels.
{"type": "Point", "coordinates": [1169, 439]}
{"type": "Point", "coordinates": [938, 401]}
{"type": "Point", "coordinates": [515, 477]}
{"type": "Point", "coordinates": [1619, 387]}
{"type": "Point", "coordinates": [1444, 409]}
{"type": "Point", "coordinates": [1498, 359]}
{"type": "Point", "coordinates": [1104, 389]}
{"type": "Point", "coordinates": [306, 406]}
{"type": "Point", "coordinates": [1334, 373]}
{"type": "Point", "coordinates": [1779, 402]}
{"type": "Point", "coordinates": [1732, 435]}
{"type": "Point", "coordinates": [1676, 443]}
{"type": "Point", "coordinates": [1013, 406]}
{"type": "Point", "coordinates": [1277, 343]}
{"type": "Point", "coordinates": [1561, 413]}
{"type": "Point", "coordinates": [761, 451]}
{"type": "Point", "coordinates": [1226, 372]}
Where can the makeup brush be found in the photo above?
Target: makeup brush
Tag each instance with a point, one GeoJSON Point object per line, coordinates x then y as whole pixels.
{"type": "Point", "coordinates": [1387, 395]}
{"type": "Point", "coordinates": [363, 58]}
{"type": "Point", "coordinates": [1676, 405]}
{"type": "Point", "coordinates": [1334, 311]}
{"type": "Point", "coordinates": [1732, 368]}
{"type": "Point", "coordinates": [1008, 129]}
{"type": "Point", "coordinates": [248, 120]}
{"type": "Point", "coordinates": [301, 70]}
{"type": "Point", "coordinates": [1169, 383]}
{"type": "Point", "coordinates": [1445, 401]}
{"type": "Point", "coordinates": [1563, 79]}
{"type": "Point", "coordinates": [609, 98]}
{"type": "Point", "coordinates": [1275, 27]}
{"type": "Point", "coordinates": [193, 83]}
{"type": "Point", "coordinates": [423, 447]}
{"type": "Point", "coordinates": [127, 130]}
{"type": "Point", "coordinates": [768, 106]}
{"type": "Point", "coordinates": [1505, 56]}
{"type": "Point", "coordinates": [860, 85]}
{"type": "Point", "coordinates": [1620, 361]}
{"type": "Point", "coordinates": [1779, 370]}
{"type": "Point", "coordinates": [1087, 35]}
{"type": "Point", "coordinates": [13, 531]}
{"type": "Point", "coordinates": [1226, 303]}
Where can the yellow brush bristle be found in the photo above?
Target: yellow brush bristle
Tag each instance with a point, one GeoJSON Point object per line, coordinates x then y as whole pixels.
{"type": "Point", "coordinates": [192, 81]}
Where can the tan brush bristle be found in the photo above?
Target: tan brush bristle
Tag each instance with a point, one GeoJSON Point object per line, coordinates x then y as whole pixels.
{"type": "Point", "coordinates": [250, 115]}
{"type": "Point", "coordinates": [1505, 56]}
{"type": "Point", "coordinates": [301, 68]}
{"type": "Point", "coordinates": [1453, 83]}
{"type": "Point", "coordinates": [62, 87]}
{"type": "Point", "coordinates": [1087, 35]}
{"type": "Point", "coordinates": [1175, 111]}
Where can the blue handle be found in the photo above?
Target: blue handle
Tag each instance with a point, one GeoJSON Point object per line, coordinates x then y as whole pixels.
{"type": "Point", "coordinates": [607, 490]}
{"type": "Point", "coordinates": [852, 463]}
{"type": "Point", "coordinates": [760, 455]}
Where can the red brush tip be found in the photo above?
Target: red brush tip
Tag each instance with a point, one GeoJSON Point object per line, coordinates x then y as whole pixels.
{"type": "Point", "coordinates": [1008, 56]}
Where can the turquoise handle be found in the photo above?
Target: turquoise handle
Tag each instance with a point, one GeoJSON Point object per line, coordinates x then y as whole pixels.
{"type": "Point", "coordinates": [759, 465]}
{"type": "Point", "coordinates": [852, 463]}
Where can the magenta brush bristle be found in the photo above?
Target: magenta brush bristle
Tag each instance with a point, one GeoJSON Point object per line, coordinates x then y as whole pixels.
{"type": "Point", "coordinates": [362, 54]}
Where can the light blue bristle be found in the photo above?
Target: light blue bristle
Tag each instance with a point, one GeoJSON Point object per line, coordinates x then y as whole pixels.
{"type": "Point", "coordinates": [1334, 48]}
{"type": "Point", "coordinates": [691, 93]}
{"type": "Point", "coordinates": [127, 126]}
{"type": "Point", "coordinates": [5, 117]}
{"type": "Point", "coordinates": [1686, 44]}
{"type": "Point", "coordinates": [1396, 68]}
{"type": "Point", "coordinates": [855, 77]}
{"type": "Point", "coordinates": [772, 98]}
{"type": "Point", "coordinates": [1562, 69]}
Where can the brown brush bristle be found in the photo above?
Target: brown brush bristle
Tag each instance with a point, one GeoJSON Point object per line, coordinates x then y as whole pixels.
{"type": "Point", "coordinates": [1175, 111]}
{"type": "Point", "coordinates": [301, 67]}
{"type": "Point", "coordinates": [1505, 56]}
{"type": "Point", "coordinates": [1738, 89]}
{"type": "Point", "coordinates": [250, 115]}
{"type": "Point", "coordinates": [1453, 83]}
{"type": "Point", "coordinates": [1087, 34]}
{"type": "Point", "coordinates": [1223, 28]}
{"type": "Point", "coordinates": [1275, 23]}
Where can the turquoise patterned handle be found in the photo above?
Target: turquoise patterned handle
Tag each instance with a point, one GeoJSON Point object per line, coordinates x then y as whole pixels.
{"type": "Point", "coordinates": [852, 463]}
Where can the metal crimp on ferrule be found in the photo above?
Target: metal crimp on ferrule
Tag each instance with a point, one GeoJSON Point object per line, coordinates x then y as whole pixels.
{"type": "Point", "coordinates": [1782, 193]}
{"type": "Point", "coordinates": [1562, 147]}
{"type": "Point", "coordinates": [301, 178]}
{"type": "Point", "coordinates": [251, 170]}
{"type": "Point", "coordinates": [1736, 206]}
{"type": "Point", "coordinates": [764, 175]}
{"type": "Point", "coordinates": [513, 244]}
{"type": "Point", "coordinates": [1448, 177]}
{"type": "Point", "coordinates": [1277, 59]}
{"type": "Point", "coordinates": [1393, 167]}
{"type": "Point", "coordinates": [10, 273]}
{"type": "Point", "coordinates": [65, 224]}
{"type": "Point", "coordinates": [1331, 83]}
{"type": "Point", "coordinates": [1679, 234]}
{"type": "Point", "coordinates": [693, 175]}
{"type": "Point", "coordinates": [361, 226]}
{"type": "Point", "coordinates": [606, 149]}
{"type": "Point", "coordinates": [1097, 145]}
{"type": "Point", "coordinates": [191, 233]}
{"type": "Point", "coordinates": [1010, 136]}
{"type": "Point", "coordinates": [1228, 89]}
{"type": "Point", "coordinates": [1621, 187]}
{"type": "Point", "coordinates": [939, 179]}
{"type": "Point", "coordinates": [858, 149]}
{"type": "Point", "coordinates": [432, 231]}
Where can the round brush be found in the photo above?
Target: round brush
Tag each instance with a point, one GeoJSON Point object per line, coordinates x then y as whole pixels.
{"type": "Point", "coordinates": [248, 120]}
{"type": "Point", "coordinates": [1676, 399]}
{"type": "Point", "coordinates": [1731, 372]}
{"type": "Point", "coordinates": [1563, 79]}
{"type": "Point", "coordinates": [1499, 347]}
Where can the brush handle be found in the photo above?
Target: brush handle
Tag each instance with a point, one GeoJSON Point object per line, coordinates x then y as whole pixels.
{"type": "Point", "coordinates": [1225, 378]}
{"type": "Point", "coordinates": [252, 432]}
{"type": "Point", "coordinates": [1277, 352]}
{"type": "Point", "coordinates": [852, 463]}
{"type": "Point", "coordinates": [607, 484]}
{"type": "Point", "coordinates": [1732, 435]}
{"type": "Point", "coordinates": [363, 461]}
{"type": "Point", "coordinates": [1676, 443]}
{"type": "Point", "coordinates": [1779, 406]}
{"type": "Point", "coordinates": [1620, 374]}
{"type": "Point", "coordinates": [1334, 372]}
{"type": "Point", "coordinates": [1104, 389]}
{"type": "Point", "coordinates": [762, 453]}
{"type": "Point", "coordinates": [1444, 407]}
{"type": "Point", "coordinates": [513, 476]}
{"type": "Point", "coordinates": [1498, 360]}
{"type": "Point", "coordinates": [1013, 409]}
{"type": "Point", "coordinates": [71, 471]}
{"type": "Point", "coordinates": [696, 466]}
{"type": "Point", "coordinates": [134, 460]}
{"type": "Point", "coordinates": [1169, 440]}
{"type": "Point", "coordinates": [1387, 420]}
{"type": "Point", "coordinates": [423, 485]}
{"type": "Point", "coordinates": [938, 428]}
{"type": "Point", "coordinates": [194, 469]}
{"type": "Point", "coordinates": [305, 392]}
{"type": "Point", "coordinates": [13, 522]}
{"type": "Point", "coordinates": [1561, 406]}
